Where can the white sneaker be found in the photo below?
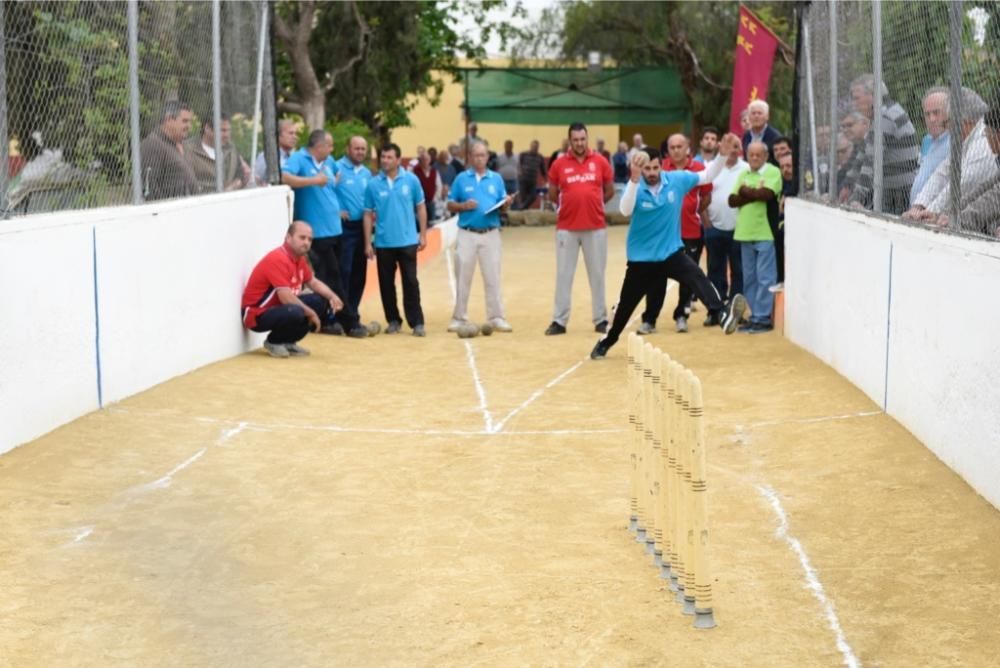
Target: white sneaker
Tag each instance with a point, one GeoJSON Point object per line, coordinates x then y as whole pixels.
{"type": "Point", "coordinates": [645, 328]}
{"type": "Point", "coordinates": [276, 349]}
{"type": "Point", "coordinates": [295, 350]}
{"type": "Point", "coordinates": [682, 325]}
{"type": "Point", "coordinates": [501, 325]}
{"type": "Point", "coordinates": [777, 287]}
{"type": "Point", "coordinates": [455, 325]}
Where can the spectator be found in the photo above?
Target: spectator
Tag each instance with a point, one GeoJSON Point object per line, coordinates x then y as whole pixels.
{"type": "Point", "coordinates": [563, 148]}
{"type": "Point", "coordinates": [758, 115]}
{"type": "Point", "coordinates": [724, 254]}
{"type": "Point", "coordinates": [430, 182]}
{"type": "Point", "coordinates": [936, 144]}
{"type": "Point", "coordinates": [581, 183]}
{"type": "Point", "coordinates": [446, 170]}
{"type": "Point", "coordinates": [531, 165]}
{"type": "Point", "coordinates": [977, 161]}
{"type": "Point", "coordinates": [855, 126]}
{"type": "Point", "coordinates": [413, 162]}
{"type": "Point", "coordinates": [603, 151]}
{"type": "Point", "coordinates": [287, 136]}
{"type": "Point", "coordinates": [637, 145]}
{"type": "Point", "coordinates": [693, 208]}
{"type": "Point", "coordinates": [745, 120]}
{"type": "Point", "coordinates": [980, 207]}
{"type": "Point", "coordinates": [620, 163]}
{"type": "Point", "coordinates": [474, 198]}
{"type": "Point", "coordinates": [899, 150]}
{"type": "Point", "coordinates": [464, 144]}
{"type": "Point", "coordinates": [756, 195]}
{"type": "Point", "coordinates": [709, 145]}
{"type": "Point", "coordinates": [507, 167]}
{"type": "Point", "coordinates": [395, 198]}
{"type": "Point", "coordinates": [313, 175]}
{"type": "Point", "coordinates": [354, 178]}
{"type": "Point", "coordinates": [200, 154]}
{"type": "Point", "coordinates": [789, 188]}
{"type": "Point", "coordinates": [165, 172]}
{"type": "Point", "coordinates": [491, 159]}
{"type": "Point", "coordinates": [782, 147]}
{"type": "Point", "coordinates": [271, 301]}
{"type": "Point", "coordinates": [457, 159]}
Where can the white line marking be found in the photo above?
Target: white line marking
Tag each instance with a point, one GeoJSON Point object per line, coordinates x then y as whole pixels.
{"type": "Point", "coordinates": [83, 534]}
{"type": "Point", "coordinates": [825, 418]}
{"type": "Point", "coordinates": [815, 586]}
{"type": "Point", "coordinates": [480, 390]}
{"type": "Point", "coordinates": [451, 276]}
{"type": "Point", "coordinates": [229, 433]}
{"type": "Point", "coordinates": [167, 479]}
{"type": "Point", "coordinates": [537, 393]}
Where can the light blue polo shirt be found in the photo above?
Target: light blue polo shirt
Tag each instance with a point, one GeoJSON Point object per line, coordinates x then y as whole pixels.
{"type": "Point", "coordinates": [352, 186]}
{"type": "Point", "coordinates": [655, 231]}
{"type": "Point", "coordinates": [394, 206]}
{"type": "Point", "coordinates": [317, 205]}
{"type": "Point", "coordinates": [487, 191]}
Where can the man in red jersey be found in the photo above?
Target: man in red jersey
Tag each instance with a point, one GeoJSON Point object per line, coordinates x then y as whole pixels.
{"type": "Point", "coordinates": [693, 211]}
{"type": "Point", "coordinates": [271, 301]}
{"type": "Point", "coordinates": [580, 182]}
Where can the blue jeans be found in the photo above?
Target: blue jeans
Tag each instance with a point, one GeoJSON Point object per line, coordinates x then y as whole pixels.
{"type": "Point", "coordinates": [760, 271]}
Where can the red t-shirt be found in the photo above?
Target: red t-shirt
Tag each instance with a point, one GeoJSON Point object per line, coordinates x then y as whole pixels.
{"type": "Point", "coordinates": [690, 220]}
{"type": "Point", "coordinates": [278, 269]}
{"type": "Point", "coordinates": [581, 190]}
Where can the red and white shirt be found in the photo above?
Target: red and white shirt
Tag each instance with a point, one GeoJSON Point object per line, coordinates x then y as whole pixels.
{"type": "Point", "coordinates": [690, 218]}
{"type": "Point", "coordinates": [581, 190]}
{"type": "Point", "coordinates": [278, 269]}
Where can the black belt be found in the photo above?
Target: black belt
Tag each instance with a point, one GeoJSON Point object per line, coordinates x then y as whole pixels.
{"type": "Point", "coordinates": [478, 230]}
{"type": "Point", "coordinates": [355, 222]}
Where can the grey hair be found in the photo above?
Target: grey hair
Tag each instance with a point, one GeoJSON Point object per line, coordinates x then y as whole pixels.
{"type": "Point", "coordinates": [760, 104]}
{"type": "Point", "coordinates": [973, 106]}
{"type": "Point", "coordinates": [867, 81]}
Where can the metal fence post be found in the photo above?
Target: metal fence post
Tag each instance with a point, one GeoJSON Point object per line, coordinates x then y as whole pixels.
{"type": "Point", "coordinates": [270, 111]}
{"type": "Point", "coordinates": [4, 140]}
{"type": "Point", "coordinates": [133, 98]}
{"type": "Point", "coordinates": [877, 172]}
{"type": "Point", "coordinates": [807, 50]}
{"type": "Point", "coordinates": [834, 121]}
{"type": "Point", "coordinates": [217, 90]}
{"type": "Point", "coordinates": [257, 93]}
{"type": "Point", "coordinates": [955, 111]}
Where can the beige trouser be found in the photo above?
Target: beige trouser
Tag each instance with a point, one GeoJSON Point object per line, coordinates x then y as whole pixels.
{"type": "Point", "coordinates": [594, 244]}
{"type": "Point", "coordinates": [485, 247]}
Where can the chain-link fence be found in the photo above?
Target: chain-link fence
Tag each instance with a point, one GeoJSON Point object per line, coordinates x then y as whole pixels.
{"type": "Point", "coordinates": [111, 103]}
{"type": "Point", "coordinates": [899, 110]}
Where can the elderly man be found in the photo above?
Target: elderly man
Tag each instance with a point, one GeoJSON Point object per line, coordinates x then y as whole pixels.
{"type": "Point", "coordinates": [980, 207]}
{"type": "Point", "coordinates": [200, 153]}
{"type": "Point", "coordinates": [758, 115]}
{"type": "Point", "coordinates": [899, 150]}
{"type": "Point", "coordinates": [637, 145]}
{"type": "Point", "coordinates": [271, 301]}
{"type": "Point", "coordinates": [287, 137]}
{"type": "Point", "coordinates": [936, 144]}
{"type": "Point", "coordinates": [756, 194]}
{"type": "Point", "coordinates": [531, 165]}
{"type": "Point", "coordinates": [354, 178]}
{"type": "Point", "coordinates": [580, 182]}
{"type": "Point", "coordinates": [477, 197]}
{"type": "Point", "coordinates": [165, 172]}
{"type": "Point", "coordinates": [854, 125]}
{"type": "Point", "coordinates": [507, 167]}
{"type": "Point", "coordinates": [977, 161]}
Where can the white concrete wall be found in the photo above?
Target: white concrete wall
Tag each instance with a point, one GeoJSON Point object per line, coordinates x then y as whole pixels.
{"type": "Point", "coordinates": [910, 317]}
{"type": "Point", "coordinates": [102, 304]}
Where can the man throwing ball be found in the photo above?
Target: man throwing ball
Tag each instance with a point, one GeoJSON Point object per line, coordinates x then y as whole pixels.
{"type": "Point", "coordinates": [654, 249]}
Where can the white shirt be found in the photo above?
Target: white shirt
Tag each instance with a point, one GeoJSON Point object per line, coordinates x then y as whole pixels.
{"type": "Point", "coordinates": [723, 217]}
{"type": "Point", "coordinates": [210, 150]}
{"type": "Point", "coordinates": [977, 166]}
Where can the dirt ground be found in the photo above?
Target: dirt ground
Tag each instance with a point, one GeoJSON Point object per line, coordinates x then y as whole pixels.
{"type": "Point", "coordinates": [401, 501]}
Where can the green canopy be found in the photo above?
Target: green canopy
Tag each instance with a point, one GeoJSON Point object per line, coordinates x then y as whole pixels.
{"type": "Point", "coordinates": [551, 96]}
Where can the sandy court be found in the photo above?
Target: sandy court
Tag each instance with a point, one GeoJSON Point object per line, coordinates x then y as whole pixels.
{"type": "Point", "coordinates": [405, 501]}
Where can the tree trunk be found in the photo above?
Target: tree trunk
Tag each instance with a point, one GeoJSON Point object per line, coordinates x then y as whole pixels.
{"type": "Point", "coordinates": [312, 98]}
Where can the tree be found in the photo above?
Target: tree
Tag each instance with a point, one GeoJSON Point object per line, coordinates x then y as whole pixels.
{"type": "Point", "coordinates": [367, 60]}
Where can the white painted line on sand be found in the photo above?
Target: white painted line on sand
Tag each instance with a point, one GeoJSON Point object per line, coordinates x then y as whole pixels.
{"type": "Point", "coordinates": [812, 578]}
{"type": "Point", "coordinates": [535, 395]}
{"type": "Point", "coordinates": [480, 390]}
{"type": "Point", "coordinates": [229, 433]}
{"type": "Point", "coordinates": [167, 479]}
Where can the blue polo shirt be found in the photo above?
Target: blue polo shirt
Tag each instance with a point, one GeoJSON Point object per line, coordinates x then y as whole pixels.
{"type": "Point", "coordinates": [655, 231]}
{"type": "Point", "coordinates": [486, 190]}
{"type": "Point", "coordinates": [352, 186]}
{"type": "Point", "coordinates": [317, 205]}
{"type": "Point", "coordinates": [394, 207]}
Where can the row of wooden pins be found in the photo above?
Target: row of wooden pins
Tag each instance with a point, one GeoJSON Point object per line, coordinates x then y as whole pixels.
{"type": "Point", "coordinates": [668, 506]}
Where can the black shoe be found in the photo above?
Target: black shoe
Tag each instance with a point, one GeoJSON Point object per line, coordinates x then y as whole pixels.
{"type": "Point", "coordinates": [601, 327]}
{"type": "Point", "coordinates": [713, 319]}
{"type": "Point", "coordinates": [600, 351]}
{"type": "Point", "coordinates": [761, 327]}
{"type": "Point", "coordinates": [733, 313]}
{"type": "Point", "coordinates": [555, 328]}
{"type": "Point", "coordinates": [358, 332]}
{"type": "Point", "coordinates": [334, 328]}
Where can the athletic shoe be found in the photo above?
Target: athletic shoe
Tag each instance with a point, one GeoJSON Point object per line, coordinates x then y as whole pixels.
{"type": "Point", "coordinates": [714, 319]}
{"type": "Point", "coordinates": [501, 325]}
{"type": "Point", "coordinates": [455, 325]}
{"type": "Point", "coordinates": [777, 287]}
{"type": "Point", "coordinates": [276, 349]}
{"type": "Point", "coordinates": [601, 327]}
{"type": "Point", "coordinates": [646, 328]}
{"type": "Point", "coordinates": [600, 351]}
{"type": "Point", "coordinates": [746, 327]}
{"type": "Point", "coordinates": [761, 327]}
{"type": "Point", "coordinates": [733, 314]}
{"type": "Point", "coordinates": [334, 328]}
{"type": "Point", "coordinates": [419, 331]}
{"type": "Point", "coordinates": [358, 332]}
{"type": "Point", "coordinates": [682, 325]}
{"type": "Point", "coordinates": [555, 328]}
{"type": "Point", "coordinates": [296, 350]}
{"type": "Point", "coordinates": [394, 327]}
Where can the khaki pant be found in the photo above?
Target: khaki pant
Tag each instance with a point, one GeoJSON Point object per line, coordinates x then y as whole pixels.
{"type": "Point", "coordinates": [595, 256]}
{"type": "Point", "coordinates": [486, 248]}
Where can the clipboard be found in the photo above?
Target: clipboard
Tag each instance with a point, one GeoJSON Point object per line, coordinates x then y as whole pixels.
{"type": "Point", "coordinates": [496, 206]}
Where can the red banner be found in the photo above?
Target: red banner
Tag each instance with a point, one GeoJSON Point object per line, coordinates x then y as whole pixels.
{"type": "Point", "coordinates": [755, 47]}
